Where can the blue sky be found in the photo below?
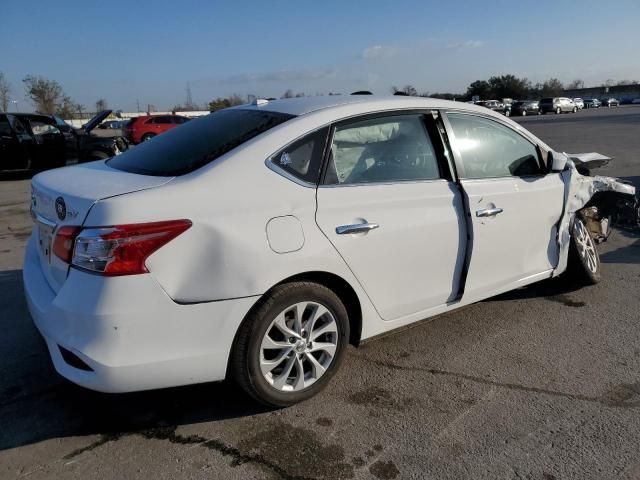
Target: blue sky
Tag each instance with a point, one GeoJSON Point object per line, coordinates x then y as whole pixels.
{"type": "Point", "coordinates": [149, 50]}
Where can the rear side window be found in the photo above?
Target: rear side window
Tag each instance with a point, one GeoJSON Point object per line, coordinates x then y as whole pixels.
{"type": "Point", "coordinates": [385, 149]}
{"type": "Point", "coordinates": [303, 158]}
{"type": "Point", "coordinates": [5, 128]}
{"type": "Point", "coordinates": [490, 150]}
{"type": "Point", "coordinates": [197, 142]}
{"type": "Point", "coordinates": [160, 120]}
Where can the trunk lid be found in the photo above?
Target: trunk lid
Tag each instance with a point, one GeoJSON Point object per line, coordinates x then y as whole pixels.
{"type": "Point", "coordinates": [64, 196]}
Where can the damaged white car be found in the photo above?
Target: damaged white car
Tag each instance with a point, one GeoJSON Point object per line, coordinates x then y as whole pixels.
{"type": "Point", "coordinates": [258, 242]}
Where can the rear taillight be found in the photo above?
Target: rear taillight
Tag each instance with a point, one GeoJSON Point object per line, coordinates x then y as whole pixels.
{"type": "Point", "coordinates": [63, 242]}
{"type": "Point", "coordinates": [123, 249]}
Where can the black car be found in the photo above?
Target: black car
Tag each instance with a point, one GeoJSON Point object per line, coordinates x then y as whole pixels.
{"type": "Point", "coordinates": [85, 146]}
{"type": "Point", "coordinates": [29, 140]}
{"type": "Point", "coordinates": [525, 107]}
{"type": "Point", "coordinates": [496, 106]}
{"type": "Point", "coordinates": [592, 103]}
{"type": "Point", "coordinates": [611, 102]}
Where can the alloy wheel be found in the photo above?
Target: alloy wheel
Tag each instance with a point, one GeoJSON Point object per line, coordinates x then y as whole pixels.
{"type": "Point", "coordinates": [298, 346]}
{"type": "Point", "coordinates": [586, 247]}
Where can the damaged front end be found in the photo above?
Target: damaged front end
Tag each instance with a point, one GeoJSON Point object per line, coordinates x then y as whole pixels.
{"type": "Point", "coordinates": [602, 202]}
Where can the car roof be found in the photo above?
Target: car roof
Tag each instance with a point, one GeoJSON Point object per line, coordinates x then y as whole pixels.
{"type": "Point", "coordinates": [30, 115]}
{"type": "Point", "coordinates": [304, 105]}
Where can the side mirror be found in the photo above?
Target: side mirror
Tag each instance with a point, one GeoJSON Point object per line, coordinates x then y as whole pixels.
{"type": "Point", "coordinates": [558, 161]}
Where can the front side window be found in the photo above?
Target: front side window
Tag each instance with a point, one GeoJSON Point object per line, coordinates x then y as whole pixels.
{"type": "Point", "coordinates": [197, 142]}
{"type": "Point", "coordinates": [385, 149]}
{"type": "Point", "coordinates": [38, 127]}
{"type": "Point", "coordinates": [489, 149]}
{"type": "Point", "coordinates": [303, 158]}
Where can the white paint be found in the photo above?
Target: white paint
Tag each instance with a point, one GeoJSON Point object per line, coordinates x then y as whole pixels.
{"type": "Point", "coordinates": [144, 331]}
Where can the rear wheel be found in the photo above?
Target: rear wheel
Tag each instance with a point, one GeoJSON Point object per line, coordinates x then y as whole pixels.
{"type": "Point", "coordinates": [558, 111]}
{"type": "Point", "coordinates": [290, 346]}
{"type": "Point", "coordinates": [584, 261]}
{"type": "Point", "coordinates": [148, 136]}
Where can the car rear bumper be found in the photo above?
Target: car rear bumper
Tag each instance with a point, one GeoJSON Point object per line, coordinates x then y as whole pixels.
{"type": "Point", "coordinates": [124, 334]}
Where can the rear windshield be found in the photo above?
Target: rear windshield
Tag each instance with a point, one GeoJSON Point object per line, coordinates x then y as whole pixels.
{"type": "Point", "coordinates": [196, 143]}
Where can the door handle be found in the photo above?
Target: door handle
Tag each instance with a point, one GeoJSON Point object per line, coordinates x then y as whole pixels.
{"type": "Point", "coordinates": [356, 228]}
{"type": "Point", "coordinates": [488, 212]}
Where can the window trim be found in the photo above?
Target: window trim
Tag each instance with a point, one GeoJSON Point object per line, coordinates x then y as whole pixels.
{"type": "Point", "coordinates": [444, 168]}
{"type": "Point", "coordinates": [271, 165]}
{"type": "Point", "coordinates": [460, 169]}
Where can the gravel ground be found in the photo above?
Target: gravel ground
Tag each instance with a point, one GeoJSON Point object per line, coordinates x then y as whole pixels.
{"type": "Point", "coordinates": [540, 383]}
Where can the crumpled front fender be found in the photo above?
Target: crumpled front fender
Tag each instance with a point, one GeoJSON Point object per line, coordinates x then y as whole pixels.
{"type": "Point", "coordinates": [581, 191]}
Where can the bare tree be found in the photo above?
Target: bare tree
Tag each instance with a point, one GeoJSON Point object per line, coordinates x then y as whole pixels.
{"type": "Point", "coordinates": [627, 82]}
{"type": "Point", "coordinates": [575, 84]}
{"type": "Point", "coordinates": [101, 104]}
{"type": "Point", "coordinates": [43, 92]}
{"type": "Point", "coordinates": [5, 93]}
{"type": "Point", "coordinates": [406, 90]}
{"type": "Point", "coordinates": [66, 109]}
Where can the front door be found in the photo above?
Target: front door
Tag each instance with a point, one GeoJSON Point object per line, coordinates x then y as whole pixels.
{"type": "Point", "coordinates": [514, 204]}
{"type": "Point", "coordinates": [388, 208]}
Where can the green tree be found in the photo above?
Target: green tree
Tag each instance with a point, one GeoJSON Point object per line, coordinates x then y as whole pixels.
{"type": "Point", "coordinates": [220, 103]}
{"type": "Point", "coordinates": [509, 86]}
{"type": "Point", "coordinates": [480, 88]}
{"type": "Point", "coordinates": [44, 93]}
{"type": "Point", "coordinates": [5, 93]}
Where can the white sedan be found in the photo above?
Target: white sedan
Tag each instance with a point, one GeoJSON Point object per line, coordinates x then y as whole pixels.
{"type": "Point", "coordinates": [259, 241]}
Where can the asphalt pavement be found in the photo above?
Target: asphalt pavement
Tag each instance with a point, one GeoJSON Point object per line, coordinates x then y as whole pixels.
{"type": "Point", "coordinates": [539, 383]}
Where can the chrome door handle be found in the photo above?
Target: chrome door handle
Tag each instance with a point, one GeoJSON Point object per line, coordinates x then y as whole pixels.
{"type": "Point", "coordinates": [488, 212]}
{"type": "Point", "coordinates": [356, 228]}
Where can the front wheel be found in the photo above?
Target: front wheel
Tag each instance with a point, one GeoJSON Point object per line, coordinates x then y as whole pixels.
{"type": "Point", "coordinates": [575, 109]}
{"type": "Point", "coordinates": [558, 111]}
{"type": "Point", "coordinates": [584, 261]}
{"type": "Point", "coordinates": [148, 136]}
{"type": "Point", "coordinates": [289, 347]}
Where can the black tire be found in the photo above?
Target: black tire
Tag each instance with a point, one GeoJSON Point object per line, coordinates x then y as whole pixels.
{"type": "Point", "coordinates": [575, 109]}
{"type": "Point", "coordinates": [558, 111]}
{"type": "Point", "coordinates": [98, 155]}
{"type": "Point", "coordinates": [147, 136]}
{"type": "Point", "coordinates": [580, 268]}
{"type": "Point", "coordinates": [244, 362]}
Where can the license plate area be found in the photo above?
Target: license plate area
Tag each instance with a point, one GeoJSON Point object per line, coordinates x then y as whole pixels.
{"type": "Point", "coordinates": [45, 237]}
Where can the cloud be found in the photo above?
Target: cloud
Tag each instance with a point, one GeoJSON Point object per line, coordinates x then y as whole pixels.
{"type": "Point", "coordinates": [467, 44]}
{"type": "Point", "coordinates": [278, 76]}
{"type": "Point", "coordinates": [378, 51]}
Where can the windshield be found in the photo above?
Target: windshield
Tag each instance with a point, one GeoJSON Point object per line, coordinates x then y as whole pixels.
{"type": "Point", "coordinates": [196, 143]}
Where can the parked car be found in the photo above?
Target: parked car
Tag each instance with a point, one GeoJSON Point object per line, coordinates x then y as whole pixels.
{"type": "Point", "coordinates": [257, 242]}
{"type": "Point", "coordinates": [592, 103]}
{"type": "Point", "coordinates": [611, 102]}
{"type": "Point", "coordinates": [579, 103]}
{"type": "Point", "coordinates": [525, 107]}
{"type": "Point", "coordinates": [113, 124]}
{"type": "Point", "coordinates": [496, 106]}
{"type": "Point", "coordinates": [557, 105]}
{"type": "Point", "coordinates": [84, 145]}
{"type": "Point", "coordinates": [143, 128]}
{"type": "Point", "coordinates": [30, 141]}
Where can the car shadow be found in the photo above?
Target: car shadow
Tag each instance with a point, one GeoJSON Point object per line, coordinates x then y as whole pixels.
{"type": "Point", "coordinates": [37, 404]}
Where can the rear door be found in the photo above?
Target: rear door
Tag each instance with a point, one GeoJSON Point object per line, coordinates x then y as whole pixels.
{"type": "Point", "coordinates": [388, 206]}
{"type": "Point", "coordinates": [12, 155]}
{"type": "Point", "coordinates": [514, 203]}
